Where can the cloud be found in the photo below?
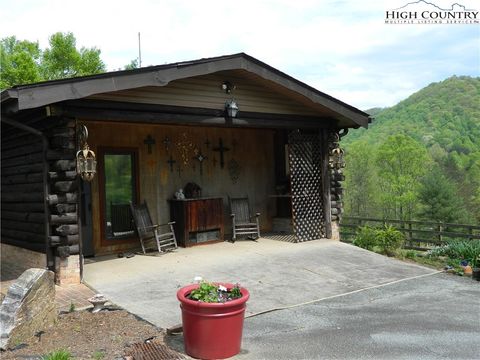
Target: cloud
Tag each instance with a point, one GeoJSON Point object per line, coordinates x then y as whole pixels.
{"type": "Point", "coordinates": [340, 47]}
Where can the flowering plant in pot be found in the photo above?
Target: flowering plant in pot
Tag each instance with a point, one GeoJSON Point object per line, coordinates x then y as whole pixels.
{"type": "Point", "coordinates": [212, 319]}
{"type": "Point", "coordinates": [215, 293]}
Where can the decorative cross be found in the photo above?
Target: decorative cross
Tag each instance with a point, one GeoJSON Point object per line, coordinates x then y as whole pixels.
{"type": "Point", "coordinates": [200, 158]}
{"type": "Point", "coordinates": [149, 141]}
{"type": "Point", "coordinates": [166, 143]}
{"type": "Point", "coordinates": [171, 162]}
{"type": "Point", "coordinates": [179, 170]}
{"type": "Point", "coordinates": [207, 144]}
{"type": "Point", "coordinates": [221, 149]}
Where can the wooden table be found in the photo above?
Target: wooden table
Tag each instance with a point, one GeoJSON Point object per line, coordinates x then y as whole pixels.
{"type": "Point", "coordinates": [197, 221]}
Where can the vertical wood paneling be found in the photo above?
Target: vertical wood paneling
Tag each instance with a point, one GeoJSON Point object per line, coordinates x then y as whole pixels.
{"type": "Point", "coordinates": [251, 149]}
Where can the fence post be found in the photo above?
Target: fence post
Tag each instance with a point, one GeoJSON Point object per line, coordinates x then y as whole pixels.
{"type": "Point", "coordinates": [440, 229]}
{"type": "Point", "coordinates": [410, 234]}
{"type": "Point", "coordinates": [470, 233]}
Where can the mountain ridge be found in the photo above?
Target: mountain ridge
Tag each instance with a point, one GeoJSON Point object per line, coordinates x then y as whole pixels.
{"type": "Point", "coordinates": [444, 118]}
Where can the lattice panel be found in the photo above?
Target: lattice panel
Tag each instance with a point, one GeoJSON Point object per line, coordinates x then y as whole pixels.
{"type": "Point", "coordinates": [306, 184]}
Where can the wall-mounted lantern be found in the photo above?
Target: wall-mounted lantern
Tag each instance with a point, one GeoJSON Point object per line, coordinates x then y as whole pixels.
{"type": "Point", "coordinates": [86, 160]}
{"type": "Point", "coordinates": [231, 106]}
{"type": "Point", "coordinates": [231, 109]}
{"type": "Point", "coordinates": [337, 160]}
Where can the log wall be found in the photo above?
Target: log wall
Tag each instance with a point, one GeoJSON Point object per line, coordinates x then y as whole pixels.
{"type": "Point", "coordinates": [336, 178]}
{"type": "Point", "coordinates": [23, 193]}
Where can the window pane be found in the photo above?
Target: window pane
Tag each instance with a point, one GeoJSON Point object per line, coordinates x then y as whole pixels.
{"type": "Point", "coordinates": [119, 191]}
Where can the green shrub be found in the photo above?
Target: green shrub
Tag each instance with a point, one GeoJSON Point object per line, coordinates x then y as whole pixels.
{"type": "Point", "coordinates": [457, 250]}
{"type": "Point", "coordinates": [410, 254]}
{"type": "Point", "coordinates": [389, 240]}
{"type": "Point", "coordinates": [366, 237]}
{"type": "Point", "coordinates": [58, 355]}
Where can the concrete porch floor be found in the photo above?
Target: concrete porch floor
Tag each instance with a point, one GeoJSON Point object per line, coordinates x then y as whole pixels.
{"type": "Point", "coordinates": [277, 274]}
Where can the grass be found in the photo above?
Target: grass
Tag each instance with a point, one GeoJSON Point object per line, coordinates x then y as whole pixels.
{"type": "Point", "coordinates": [449, 255]}
{"type": "Point", "coordinates": [419, 258]}
{"type": "Point", "coordinates": [388, 241]}
{"type": "Point", "coordinates": [58, 355]}
{"type": "Point", "coordinates": [98, 355]}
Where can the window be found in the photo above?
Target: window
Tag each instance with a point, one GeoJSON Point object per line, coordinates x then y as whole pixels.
{"type": "Point", "coordinates": [118, 189]}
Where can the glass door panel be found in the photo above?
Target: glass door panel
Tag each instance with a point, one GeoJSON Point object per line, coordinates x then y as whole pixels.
{"type": "Point", "coordinates": [119, 190]}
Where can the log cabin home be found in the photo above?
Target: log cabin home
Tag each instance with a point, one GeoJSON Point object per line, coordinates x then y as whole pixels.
{"type": "Point", "coordinates": [153, 131]}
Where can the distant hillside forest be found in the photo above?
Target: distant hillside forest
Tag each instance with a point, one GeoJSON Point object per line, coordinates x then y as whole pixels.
{"type": "Point", "coordinates": [419, 159]}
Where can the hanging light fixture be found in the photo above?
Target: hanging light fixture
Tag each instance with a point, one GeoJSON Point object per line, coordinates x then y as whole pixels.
{"type": "Point", "coordinates": [86, 160]}
{"type": "Point", "coordinates": [337, 160]}
{"type": "Point", "coordinates": [231, 108]}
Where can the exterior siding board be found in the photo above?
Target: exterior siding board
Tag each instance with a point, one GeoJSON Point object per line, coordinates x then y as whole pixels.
{"type": "Point", "coordinates": [206, 92]}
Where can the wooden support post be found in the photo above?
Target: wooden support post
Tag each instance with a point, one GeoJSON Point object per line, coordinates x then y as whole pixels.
{"type": "Point", "coordinates": [440, 230]}
{"type": "Point", "coordinates": [327, 207]}
{"type": "Point", "coordinates": [410, 234]}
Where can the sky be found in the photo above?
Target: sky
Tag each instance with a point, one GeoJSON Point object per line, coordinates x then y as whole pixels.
{"type": "Point", "coordinates": [343, 48]}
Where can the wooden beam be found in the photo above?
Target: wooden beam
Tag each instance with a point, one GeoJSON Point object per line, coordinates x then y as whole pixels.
{"type": "Point", "coordinates": [23, 197]}
{"type": "Point", "coordinates": [165, 114]}
{"type": "Point", "coordinates": [22, 216]}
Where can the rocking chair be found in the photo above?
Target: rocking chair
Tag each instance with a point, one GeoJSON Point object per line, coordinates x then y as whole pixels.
{"type": "Point", "coordinates": [242, 223]}
{"type": "Point", "coordinates": [122, 220]}
{"type": "Point", "coordinates": [148, 231]}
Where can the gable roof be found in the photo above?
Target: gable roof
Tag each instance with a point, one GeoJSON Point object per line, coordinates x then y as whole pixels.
{"type": "Point", "coordinates": [23, 97]}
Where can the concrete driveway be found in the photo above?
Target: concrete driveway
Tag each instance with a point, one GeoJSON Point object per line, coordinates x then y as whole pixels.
{"type": "Point", "coordinates": [329, 300]}
{"type": "Point", "coordinates": [431, 317]}
{"type": "Point", "coordinates": [277, 274]}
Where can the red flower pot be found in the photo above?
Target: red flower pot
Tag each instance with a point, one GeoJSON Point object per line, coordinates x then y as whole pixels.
{"type": "Point", "coordinates": [212, 330]}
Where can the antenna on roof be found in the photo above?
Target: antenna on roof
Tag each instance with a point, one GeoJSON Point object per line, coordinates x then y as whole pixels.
{"type": "Point", "coordinates": [139, 52]}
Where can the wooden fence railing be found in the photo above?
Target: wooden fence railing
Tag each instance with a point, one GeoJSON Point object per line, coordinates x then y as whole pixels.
{"type": "Point", "coordinates": [419, 235]}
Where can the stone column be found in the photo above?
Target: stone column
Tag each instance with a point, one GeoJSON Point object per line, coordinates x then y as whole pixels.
{"type": "Point", "coordinates": [67, 270]}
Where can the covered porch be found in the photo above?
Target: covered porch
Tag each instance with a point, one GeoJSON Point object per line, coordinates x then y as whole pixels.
{"type": "Point", "coordinates": [156, 129]}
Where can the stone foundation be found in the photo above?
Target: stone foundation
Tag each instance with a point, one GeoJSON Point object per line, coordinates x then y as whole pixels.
{"type": "Point", "coordinates": [67, 270]}
{"type": "Point", "coordinates": [16, 260]}
{"type": "Point", "coordinates": [28, 308]}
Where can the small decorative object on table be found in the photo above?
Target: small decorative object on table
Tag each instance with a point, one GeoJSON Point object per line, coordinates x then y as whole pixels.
{"type": "Point", "coordinates": [192, 191]}
{"type": "Point", "coordinates": [212, 319]}
{"type": "Point", "coordinates": [179, 195]}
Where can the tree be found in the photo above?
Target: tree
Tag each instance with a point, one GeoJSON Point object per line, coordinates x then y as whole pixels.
{"type": "Point", "coordinates": [439, 199]}
{"type": "Point", "coordinates": [360, 174]}
{"type": "Point", "coordinates": [19, 62]}
{"type": "Point", "coordinates": [63, 60]}
{"type": "Point", "coordinates": [133, 65]}
{"type": "Point", "coordinates": [401, 162]}
{"type": "Point", "coordinates": [23, 62]}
